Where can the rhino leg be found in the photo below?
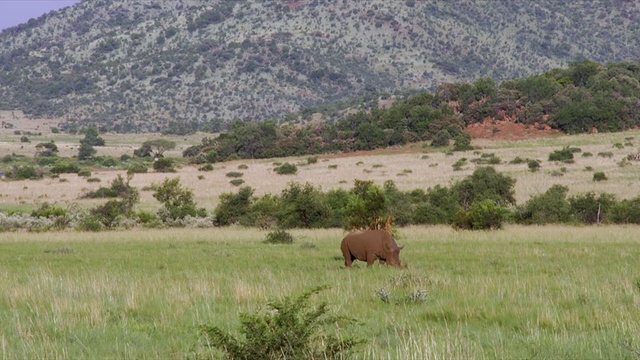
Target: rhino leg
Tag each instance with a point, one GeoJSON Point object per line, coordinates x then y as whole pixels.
{"type": "Point", "coordinates": [371, 259]}
{"type": "Point", "coordinates": [382, 261]}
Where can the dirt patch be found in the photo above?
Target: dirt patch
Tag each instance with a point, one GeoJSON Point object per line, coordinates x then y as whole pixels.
{"type": "Point", "coordinates": [508, 130]}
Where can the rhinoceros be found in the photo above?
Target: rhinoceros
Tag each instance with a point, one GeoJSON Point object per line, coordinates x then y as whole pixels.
{"type": "Point", "coordinates": [369, 246]}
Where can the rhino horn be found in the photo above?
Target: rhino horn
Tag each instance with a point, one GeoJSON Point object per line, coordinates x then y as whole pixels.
{"type": "Point", "coordinates": [400, 247]}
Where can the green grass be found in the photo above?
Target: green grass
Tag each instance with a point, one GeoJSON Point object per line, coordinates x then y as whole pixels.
{"type": "Point", "coordinates": [523, 292]}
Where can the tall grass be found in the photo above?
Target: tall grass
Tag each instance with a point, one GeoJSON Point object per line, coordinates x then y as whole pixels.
{"type": "Point", "coordinates": [522, 292]}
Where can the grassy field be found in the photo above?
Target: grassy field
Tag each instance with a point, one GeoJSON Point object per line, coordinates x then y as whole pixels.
{"type": "Point", "coordinates": [413, 167]}
{"type": "Point", "coordinates": [522, 292]}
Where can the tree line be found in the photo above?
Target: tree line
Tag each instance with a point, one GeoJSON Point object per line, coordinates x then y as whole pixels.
{"type": "Point", "coordinates": [483, 200]}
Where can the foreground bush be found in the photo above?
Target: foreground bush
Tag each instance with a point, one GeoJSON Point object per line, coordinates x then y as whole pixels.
{"type": "Point", "coordinates": [289, 329]}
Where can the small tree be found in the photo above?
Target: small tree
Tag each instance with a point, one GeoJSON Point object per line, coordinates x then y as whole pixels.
{"type": "Point", "coordinates": [92, 137]}
{"type": "Point", "coordinates": [177, 201]}
{"type": "Point", "coordinates": [86, 151]}
{"type": "Point", "coordinates": [47, 149]}
{"type": "Point", "coordinates": [441, 138]}
{"type": "Point", "coordinates": [155, 148]}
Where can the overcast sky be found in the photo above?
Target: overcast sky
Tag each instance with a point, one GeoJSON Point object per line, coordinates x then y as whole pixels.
{"type": "Point", "coordinates": [14, 12]}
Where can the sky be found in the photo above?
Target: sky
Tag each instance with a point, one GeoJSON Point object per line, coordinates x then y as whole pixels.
{"type": "Point", "coordinates": [15, 12]}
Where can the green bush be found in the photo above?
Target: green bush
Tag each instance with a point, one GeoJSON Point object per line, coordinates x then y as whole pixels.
{"type": "Point", "coordinates": [279, 237]}
{"type": "Point", "coordinates": [589, 209]}
{"type": "Point", "coordinates": [234, 174]}
{"type": "Point", "coordinates": [163, 165]}
{"type": "Point", "coordinates": [626, 212]}
{"type": "Point", "coordinates": [23, 172]}
{"type": "Point", "coordinates": [548, 208]}
{"type": "Point", "coordinates": [49, 211]}
{"type": "Point", "coordinates": [207, 167]}
{"type": "Point", "coordinates": [84, 173]}
{"type": "Point", "coordinates": [441, 138]}
{"type": "Point", "coordinates": [485, 215]}
{"type": "Point", "coordinates": [286, 169]}
{"type": "Point", "coordinates": [534, 165]}
{"type": "Point", "coordinates": [462, 142]}
{"type": "Point", "coordinates": [485, 183]}
{"type": "Point", "coordinates": [564, 155]}
{"type": "Point", "coordinates": [289, 329]}
{"type": "Point", "coordinates": [65, 167]}
{"type": "Point", "coordinates": [312, 160]}
{"type": "Point", "coordinates": [236, 182]}
{"type": "Point", "coordinates": [177, 202]}
{"type": "Point", "coordinates": [137, 168]}
{"type": "Point", "coordinates": [599, 176]}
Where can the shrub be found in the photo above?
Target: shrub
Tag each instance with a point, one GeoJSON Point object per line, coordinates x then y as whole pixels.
{"type": "Point", "coordinates": [599, 176]}
{"type": "Point", "coordinates": [163, 165]}
{"type": "Point", "coordinates": [84, 173]}
{"type": "Point", "coordinates": [207, 167]}
{"type": "Point", "coordinates": [605, 154]}
{"type": "Point", "coordinates": [49, 211]}
{"type": "Point", "coordinates": [550, 207]}
{"type": "Point", "coordinates": [289, 329]}
{"type": "Point", "coordinates": [177, 201]}
{"type": "Point", "coordinates": [534, 165]}
{"type": "Point", "coordinates": [94, 180]}
{"type": "Point", "coordinates": [236, 182]}
{"type": "Point", "coordinates": [24, 139]}
{"type": "Point", "coordinates": [234, 174]}
{"type": "Point", "coordinates": [462, 142]}
{"type": "Point", "coordinates": [565, 155]}
{"type": "Point", "coordinates": [312, 160]}
{"type": "Point", "coordinates": [485, 215]}
{"type": "Point", "coordinates": [23, 172]}
{"type": "Point", "coordinates": [485, 183]}
{"type": "Point", "coordinates": [279, 237]}
{"type": "Point", "coordinates": [626, 212]}
{"type": "Point", "coordinates": [589, 209]}
{"type": "Point", "coordinates": [137, 168]}
{"type": "Point", "coordinates": [286, 169]}
{"type": "Point", "coordinates": [243, 166]}
{"type": "Point", "coordinates": [441, 138]}
{"type": "Point", "coordinates": [65, 167]}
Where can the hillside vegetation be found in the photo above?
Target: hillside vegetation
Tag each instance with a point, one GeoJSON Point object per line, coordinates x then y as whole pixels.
{"type": "Point", "coordinates": [585, 97]}
{"type": "Point", "coordinates": [181, 66]}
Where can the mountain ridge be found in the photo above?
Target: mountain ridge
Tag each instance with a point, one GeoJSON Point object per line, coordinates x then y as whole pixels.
{"type": "Point", "coordinates": [183, 66]}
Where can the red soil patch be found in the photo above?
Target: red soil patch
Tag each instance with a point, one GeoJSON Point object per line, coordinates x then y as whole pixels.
{"type": "Point", "coordinates": [508, 130]}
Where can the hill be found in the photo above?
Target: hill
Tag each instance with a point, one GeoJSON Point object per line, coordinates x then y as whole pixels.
{"type": "Point", "coordinates": [181, 66]}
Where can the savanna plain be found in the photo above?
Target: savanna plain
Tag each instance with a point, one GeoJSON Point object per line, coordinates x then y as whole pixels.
{"type": "Point", "coordinates": [520, 292]}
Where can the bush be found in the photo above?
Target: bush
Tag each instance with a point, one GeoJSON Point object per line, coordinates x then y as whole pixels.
{"type": "Point", "coordinates": [565, 155]}
{"type": "Point", "coordinates": [24, 172]}
{"type": "Point", "coordinates": [163, 165]}
{"type": "Point", "coordinates": [65, 167]}
{"type": "Point", "coordinates": [589, 209]}
{"type": "Point", "coordinates": [626, 212]}
{"type": "Point", "coordinates": [279, 237]}
{"type": "Point", "coordinates": [485, 215]}
{"type": "Point", "coordinates": [441, 138]}
{"type": "Point", "coordinates": [207, 167]}
{"type": "Point", "coordinates": [462, 142]}
{"type": "Point", "coordinates": [485, 183]}
{"type": "Point", "coordinates": [534, 165]}
{"type": "Point", "coordinates": [84, 173]}
{"type": "Point", "coordinates": [234, 174]}
{"type": "Point", "coordinates": [599, 176]}
{"type": "Point", "coordinates": [289, 329]}
{"type": "Point", "coordinates": [177, 201]}
{"type": "Point", "coordinates": [236, 182]}
{"type": "Point", "coordinates": [137, 168]}
{"type": "Point", "coordinates": [232, 208]}
{"type": "Point", "coordinates": [550, 207]}
{"type": "Point", "coordinates": [312, 160]}
{"type": "Point", "coordinates": [286, 169]}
